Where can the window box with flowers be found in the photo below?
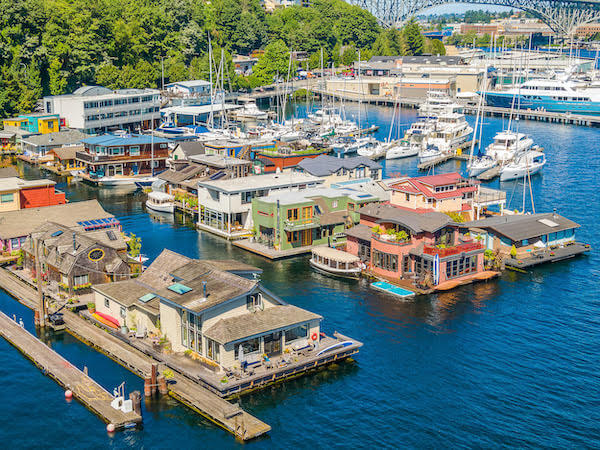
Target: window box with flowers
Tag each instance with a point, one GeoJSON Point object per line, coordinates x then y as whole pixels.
{"type": "Point", "coordinates": [80, 287]}
{"type": "Point", "coordinates": [63, 286]}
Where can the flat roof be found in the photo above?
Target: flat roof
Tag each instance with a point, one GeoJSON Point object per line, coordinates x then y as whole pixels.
{"type": "Point", "coordinates": [15, 183]}
{"type": "Point", "coordinates": [110, 140]}
{"type": "Point", "coordinates": [254, 182]}
{"type": "Point", "coordinates": [290, 198]}
{"type": "Point", "coordinates": [219, 161]}
{"type": "Point", "coordinates": [198, 110]}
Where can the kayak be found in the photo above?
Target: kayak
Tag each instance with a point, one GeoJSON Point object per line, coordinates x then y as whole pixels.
{"type": "Point", "coordinates": [106, 320]}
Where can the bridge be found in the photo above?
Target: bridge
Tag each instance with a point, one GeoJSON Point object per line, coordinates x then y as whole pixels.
{"type": "Point", "coordinates": [562, 16]}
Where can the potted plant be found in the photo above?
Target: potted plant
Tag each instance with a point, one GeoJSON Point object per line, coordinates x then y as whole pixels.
{"type": "Point", "coordinates": [91, 307]}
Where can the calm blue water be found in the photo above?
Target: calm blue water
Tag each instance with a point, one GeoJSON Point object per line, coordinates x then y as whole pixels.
{"type": "Point", "coordinates": [512, 362]}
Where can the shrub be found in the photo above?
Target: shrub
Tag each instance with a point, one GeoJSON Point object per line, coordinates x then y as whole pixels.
{"type": "Point", "coordinates": [513, 251]}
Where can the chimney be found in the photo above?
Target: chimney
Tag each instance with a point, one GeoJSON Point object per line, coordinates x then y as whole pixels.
{"type": "Point", "coordinates": [554, 213]}
{"type": "Point", "coordinates": [74, 243]}
{"type": "Point", "coordinates": [204, 291]}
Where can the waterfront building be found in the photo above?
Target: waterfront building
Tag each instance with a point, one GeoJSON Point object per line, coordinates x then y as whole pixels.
{"type": "Point", "coordinates": [8, 172]}
{"type": "Point", "coordinates": [16, 193]}
{"type": "Point", "coordinates": [183, 151]}
{"type": "Point", "coordinates": [301, 219]}
{"type": "Point", "coordinates": [65, 158]}
{"type": "Point", "coordinates": [8, 141]}
{"type": "Point", "coordinates": [96, 109]}
{"type": "Point", "coordinates": [238, 148]}
{"type": "Point", "coordinates": [337, 170]}
{"type": "Point", "coordinates": [206, 307]}
{"type": "Point", "coordinates": [425, 250]}
{"type": "Point", "coordinates": [37, 146]}
{"type": "Point", "coordinates": [123, 154]}
{"type": "Point", "coordinates": [36, 123]}
{"type": "Point", "coordinates": [198, 89]}
{"type": "Point", "coordinates": [280, 158]}
{"type": "Point", "coordinates": [587, 30]}
{"type": "Point", "coordinates": [244, 64]}
{"type": "Point", "coordinates": [225, 206]}
{"type": "Point", "coordinates": [529, 238]}
{"type": "Point", "coordinates": [76, 260]}
{"type": "Point", "coordinates": [447, 193]}
{"type": "Point", "coordinates": [80, 216]}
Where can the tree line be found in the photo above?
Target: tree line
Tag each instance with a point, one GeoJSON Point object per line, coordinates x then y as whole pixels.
{"type": "Point", "coordinates": [51, 47]}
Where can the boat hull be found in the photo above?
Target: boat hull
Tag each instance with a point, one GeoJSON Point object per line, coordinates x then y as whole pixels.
{"type": "Point", "coordinates": [166, 208]}
{"type": "Point", "coordinates": [352, 274]}
{"type": "Point", "coordinates": [401, 152]}
{"type": "Point", "coordinates": [505, 100]}
{"type": "Point", "coordinates": [509, 174]}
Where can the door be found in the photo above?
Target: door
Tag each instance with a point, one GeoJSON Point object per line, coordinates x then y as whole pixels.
{"type": "Point", "coordinates": [273, 344]}
{"type": "Point", "coordinates": [306, 237]}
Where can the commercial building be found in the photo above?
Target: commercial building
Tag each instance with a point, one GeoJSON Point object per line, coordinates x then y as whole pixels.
{"type": "Point", "coordinates": [123, 154]}
{"type": "Point", "coordinates": [301, 219]}
{"type": "Point", "coordinates": [16, 193]}
{"type": "Point", "coordinates": [36, 123]}
{"type": "Point", "coordinates": [225, 206]}
{"type": "Point", "coordinates": [587, 30]}
{"type": "Point", "coordinates": [96, 109]}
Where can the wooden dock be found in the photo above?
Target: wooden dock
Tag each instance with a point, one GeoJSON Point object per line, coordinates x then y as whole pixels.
{"type": "Point", "coordinates": [490, 173]}
{"type": "Point", "coordinates": [216, 409]}
{"type": "Point", "coordinates": [86, 390]}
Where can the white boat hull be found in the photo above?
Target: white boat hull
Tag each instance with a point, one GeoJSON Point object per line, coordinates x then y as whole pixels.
{"type": "Point", "coordinates": [402, 152]}
{"type": "Point", "coordinates": [509, 173]}
{"type": "Point", "coordinates": [163, 207]}
{"type": "Point", "coordinates": [340, 273]}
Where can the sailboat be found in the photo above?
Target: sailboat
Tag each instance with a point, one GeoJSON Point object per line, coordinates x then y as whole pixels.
{"type": "Point", "coordinates": [528, 163]}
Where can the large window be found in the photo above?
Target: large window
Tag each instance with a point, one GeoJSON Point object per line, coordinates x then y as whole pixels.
{"type": "Point", "coordinates": [191, 331]}
{"type": "Point", "coordinates": [213, 350]}
{"type": "Point", "coordinates": [249, 346]}
{"type": "Point", "coordinates": [134, 151]}
{"type": "Point", "coordinates": [385, 261]}
{"type": "Point", "coordinates": [78, 280]}
{"type": "Point", "coordinates": [364, 251]}
{"type": "Point", "coordinates": [307, 212]}
{"type": "Point", "coordinates": [292, 214]}
{"type": "Point", "coordinates": [300, 332]}
{"type": "Point", "coordinates": [461, 266]}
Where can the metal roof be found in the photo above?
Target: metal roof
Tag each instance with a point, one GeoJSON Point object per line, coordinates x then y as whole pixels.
{"type": "Point", "coordinates": [324, 165]}
{"type": "Point", "coordinates": [112, 140]}
{"type": "Point", "coordinates": [414, 221]}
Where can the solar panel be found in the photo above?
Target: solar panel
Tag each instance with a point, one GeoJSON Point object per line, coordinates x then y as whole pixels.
{"type": "Point", "coordinates": [56, 233]}
{"type": "Point", "coordinates": [111, 235]}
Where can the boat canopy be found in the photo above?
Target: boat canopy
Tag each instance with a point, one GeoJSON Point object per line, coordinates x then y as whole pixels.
{"type": "Point", "coordinates": [336, 255]}
{"type": "Point", "coordinates": [160, 196]}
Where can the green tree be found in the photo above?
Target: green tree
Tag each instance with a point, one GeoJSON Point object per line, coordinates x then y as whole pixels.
{"type": "Point", "coordinates": [349, 55]}
{"type": "Point", "coordinates": [272, 63]}
{"type": "Point", "coordinates": [415, 41]}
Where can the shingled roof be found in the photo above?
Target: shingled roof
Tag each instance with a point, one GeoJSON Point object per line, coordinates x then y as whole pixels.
{"type": "Point", "coordinates": [414, 221]}
{"type": "Point", "coordinates": [324, 165]}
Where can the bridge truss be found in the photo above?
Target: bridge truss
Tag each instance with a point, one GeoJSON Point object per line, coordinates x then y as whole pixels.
{"type": "Point", "coordinates": [562, 16]}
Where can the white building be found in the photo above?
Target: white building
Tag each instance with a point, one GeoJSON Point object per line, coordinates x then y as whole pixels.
{"type": "Point", "coordinates": [96, 109]}
{"type": "Point", "coordinates": [191, 88]}
{"type": "Point", "coordinates": [225, 206]}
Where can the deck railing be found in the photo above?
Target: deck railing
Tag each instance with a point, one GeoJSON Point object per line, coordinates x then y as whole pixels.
{"type": "Point", "coordinates": [454, 250]}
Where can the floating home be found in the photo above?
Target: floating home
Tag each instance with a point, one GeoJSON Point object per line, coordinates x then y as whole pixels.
{"type": "Point", "coordinates": [535, 238]}
{"type": "Point", "coordinates": [337, 170]}
{"type": "Point", "coordinates": [16, 193]}
{"type": "Point", "coordinates": [234, 333]}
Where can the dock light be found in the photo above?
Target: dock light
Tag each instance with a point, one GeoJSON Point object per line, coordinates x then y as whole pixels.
{"type": "Point", "coordinates": [68, 394]}
{"type": "Point", "coordinates": [110, 428]}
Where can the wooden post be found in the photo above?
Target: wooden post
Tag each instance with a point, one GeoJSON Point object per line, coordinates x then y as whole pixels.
{"type": "Point", "coordinates": [148, 387]}
{"type": "Point", "coordinates": [154, 377]}
{"type": "Point", "coordinates": [162, 385]}
{"type": "Point", "coordinates": [136, 400]}
{"type": "Point", "coordinates": [38, 271]}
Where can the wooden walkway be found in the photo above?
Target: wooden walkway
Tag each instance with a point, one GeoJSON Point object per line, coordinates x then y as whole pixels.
{"type": "Point", "coordinates": [490, 173]}
{"type": "Point", "coordinates": [218, 410]}
{"type": "Point", "coordinates": [85, 389]}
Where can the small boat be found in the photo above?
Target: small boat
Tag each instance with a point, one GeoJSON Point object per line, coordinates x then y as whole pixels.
{"type": "Point", "coordinates": [336, 346]}
{"type": "Point", "coordinates": [507, 144]}
{"type": "Point", "coordinates": [251, 111]}
{"type": "Point", "coordinates": [106, 320]}
{"type": "Point", "coordinates": [161, 202]}
{"type": "Point", "coordinates": [337, 263]}
{"type": "Point", "coordinates": [402, 149]}
{"type": "Point", "coordinates": [480, 165]}
{"type": "Point", "coordinates": [527, 163]}
{"type": "Point", "coordinates": [429, 154]}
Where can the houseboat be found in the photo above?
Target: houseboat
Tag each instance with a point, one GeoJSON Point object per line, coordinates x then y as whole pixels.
{"type": "Point", "coordinates": [161, 202]}
{"type": "Point", "coordinates": [337, 263]}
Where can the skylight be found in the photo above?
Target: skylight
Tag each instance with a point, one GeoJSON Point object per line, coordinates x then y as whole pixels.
{"type": "Point", "coordinates": [146, 298]}
{"type": "Point", "coordinates": [179, 288]}
{"type": "Point", "coordinates": [56, 233]}
{"type": "Point", "coordinates": [548, 223]}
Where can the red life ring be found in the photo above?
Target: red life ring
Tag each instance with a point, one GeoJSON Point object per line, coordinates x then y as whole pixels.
{"type": "Point", "coordinates": [314, 336]}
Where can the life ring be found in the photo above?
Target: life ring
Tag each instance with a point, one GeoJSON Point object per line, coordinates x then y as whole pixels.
{"type": "Point", "coordinates": [314, 336]}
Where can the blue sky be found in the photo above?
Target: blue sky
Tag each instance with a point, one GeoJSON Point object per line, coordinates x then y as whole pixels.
{"type": "Point", "coordinates": [459, 8]}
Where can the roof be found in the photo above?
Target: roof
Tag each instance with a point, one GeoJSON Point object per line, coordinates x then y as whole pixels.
{"type": "Point", "coordinates": [158, 274]}
{"type": "Point", "coordinates": [109, 140]}
{"type": "Point", "coordinates": [24, 221]}
{"type": "Point", "coordinates": [414, 221]}
{"type": "Point", "coordinates": [189, 83]}
{"type": "Point", "coordinates": [177, 176]}
{"type": "Point", "coordinates": [65, 153]}
{"type": "Point", "coordinates": [219, 161]}
{"type": "Point", "coordinates": [16, 184]}
{"type": "Point", "coordinates": [260, 182]}
{"type": "Point", "coordinates": [527, 226]}
{"type": "Point", "coordinates": [236, 328]}
{"type": "Point", "coordinates": [101, 91]}
{"type": "Point", "coordinates": [58, 139]}
{"type": "Point", "coordinates": [426, 185]}
{"type": "Point", "coordinates": [324, 165]}
{"type": "Point", "coordinates": [8, 172]}
{"type": "Point", "coordinates": [194, 267]}
{"type": "Point", "coordinates": [312, 194]}
{"type": "Point", "coordinates": [190, 148]}
{"type": "Point", "coordinates": [360, 231]}
{"type": "Point", "coordinates": [336, 255]}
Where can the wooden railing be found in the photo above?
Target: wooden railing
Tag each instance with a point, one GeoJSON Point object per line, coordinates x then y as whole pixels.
{"type": "Point", "coordinates": [454, 250]}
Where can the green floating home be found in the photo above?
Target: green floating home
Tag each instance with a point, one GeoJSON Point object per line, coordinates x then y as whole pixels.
{"type": "Point", "coordinates": [308, 217]}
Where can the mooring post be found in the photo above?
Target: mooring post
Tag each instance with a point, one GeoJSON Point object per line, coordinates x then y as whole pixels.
{"type": "Point", "coordinates": [162, 385]}
{"type": "Point", "coordinates": [154, 377]}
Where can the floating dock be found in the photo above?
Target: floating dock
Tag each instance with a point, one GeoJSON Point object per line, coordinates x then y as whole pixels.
{"type": "Point", "coordinates": [389, 288]}
{"type": "Point", "coordinates": [86, 390]}
{"type": "Point", "coordinates": [489, 174]}
{"type": "Point", "coordinates": [216, 409]}
{"type": "Point", "coordinates": [547, 256]}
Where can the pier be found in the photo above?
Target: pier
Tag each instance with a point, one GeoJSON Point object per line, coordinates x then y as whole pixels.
{"type": "Point", "coordinates": [216, 409]}
{"type": "Point", "coordinates": [85, 389]}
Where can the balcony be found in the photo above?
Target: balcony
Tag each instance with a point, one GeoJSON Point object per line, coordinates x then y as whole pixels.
{"type": "Point", "coordinates": [143, 156]}
{"type": "Point", "coordinates": [454, 250]}
{"type": "Point", "coordinates": [301, 224]}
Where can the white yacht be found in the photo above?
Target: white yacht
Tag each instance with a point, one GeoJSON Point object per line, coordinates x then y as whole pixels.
{"type": "Point", "coordinates": [251, 112]}
{"type": "Point", "coordinates": [401, 149]}
{"type": "Point", "coordinates": [451, 132]}
{"type": "Point", "coordinates": [528, 163]}
{"type": "Point", "coordinates": [418, 133]}
{"type": "Point", "coordinates": [438, 102]}
{"type": "Point", "coordinates": [479, 165]}
{"type": "Point", "coordinates": [507, 144]}
{"type": "Point", "coordinates": [429, 153]}
{"type": "Point", "coordinates": [161, 202]}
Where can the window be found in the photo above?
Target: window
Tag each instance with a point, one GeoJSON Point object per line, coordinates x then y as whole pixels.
{"type": "Point", "coordinates": [407, 197]}
{"type": "Point", "coordinates": [461, 266]}
{"type": "Point", "coordinates": [334, 204]}
{"type": "Point", "coordinates": [123, 312]}
{"type": "Point", "coordinates": [78, 280]}
{"type": "Point", "coordinates": [254, 302]}
{"type": "Point", "coordinates": [300, 332]}
{"type": "Point", "coordinates": [7, 198]}
{"type": "Point", "coordinates": [212, 350]}
{"type": "Point", "coordinates": [249, 346]}
{"type": "Point", "coordinates": [292, 214]}
{"type": "Point", "coordinates": [385, 261]}
{"type": "Point", "coordinates": [191, 336]}
{"type": "Point", "coordinates": [163, 145]}
{"type": "Point", "coordinates": [134, 151]}
{"type": "Point", "coordinates": [351, 206]}
{"type": "Point", "coordinates": [106, 302]}
{"type": "Point", "coordinates": [247, 196]}
{"type": "Point", "coordinates": [307, 212]}
{"type": "Point", "coordinates": [15, 243]}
